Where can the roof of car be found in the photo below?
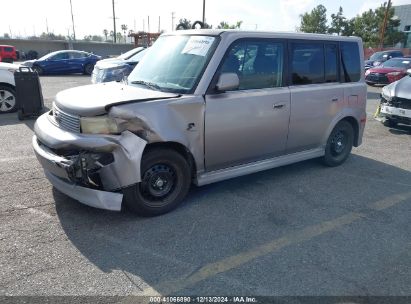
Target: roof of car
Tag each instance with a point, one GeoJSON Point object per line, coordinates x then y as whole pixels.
{"type": "Point", "coordinates": [295, 35]}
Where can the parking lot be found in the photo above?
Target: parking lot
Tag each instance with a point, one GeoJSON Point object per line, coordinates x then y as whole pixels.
{"type": "Point", "coordinates": [303, 229]}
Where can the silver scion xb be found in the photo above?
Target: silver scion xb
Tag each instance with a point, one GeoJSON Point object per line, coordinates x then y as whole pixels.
{"type": "Point", "coordinates": [203, 106]}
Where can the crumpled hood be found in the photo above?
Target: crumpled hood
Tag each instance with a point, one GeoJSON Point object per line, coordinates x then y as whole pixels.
{"type": "Point", "coordinates": [91, 100]}
{"type": "Point", "coordinates": [400, 88]}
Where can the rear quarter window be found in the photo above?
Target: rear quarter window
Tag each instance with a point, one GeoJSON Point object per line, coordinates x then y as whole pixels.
{"type": "Point", "coordinates": [350, 62]}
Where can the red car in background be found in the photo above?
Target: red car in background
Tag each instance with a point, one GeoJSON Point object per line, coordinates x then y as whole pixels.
{"type": "Point", "coordinates": [8, 53]}
{"type": "Point", "coordinates": [388, 72]}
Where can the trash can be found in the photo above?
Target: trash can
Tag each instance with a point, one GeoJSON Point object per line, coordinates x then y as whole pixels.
{"type": "Point", "coordinates": [29, 97]}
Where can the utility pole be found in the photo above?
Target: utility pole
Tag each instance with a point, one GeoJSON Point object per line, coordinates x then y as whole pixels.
{"type": "Point", "coordinates": [158, 24]}
{"type": "Point", "coordinates": [204, 11]}
{"type": "Point", "coordinates": [114, 23]}
{"type": "Point", "coordinates": [47, 26]}
{"type": "Point", "coordinates": [148, 24]}
{"type": "Point", "coordinates": [72, 20]}
{"type": "Point", "coordinates": [172, 20]}
{"type": "Point", "coordinates": [384, 26]}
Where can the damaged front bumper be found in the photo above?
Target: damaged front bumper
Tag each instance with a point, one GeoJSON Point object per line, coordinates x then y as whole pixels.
{"type": "Point", "coordinates": [397, 114]}
{"type": "Point", "coordinates": [89, 168]}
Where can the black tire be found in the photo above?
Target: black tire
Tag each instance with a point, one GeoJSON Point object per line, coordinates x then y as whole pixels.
{"type": "Point", "coordinates": [88, 69]}
{"type": "Point", "coordinates": [7, 100]}
{"type": "Point", "coordinates": [172, 172]}
{"type": "Point", "coordinates": [389, 123]}
{"type": "Point", "coordinates": [38, 69]}
{"type": "Point", "coordinates": [339, 144]}
{"type": "Point", "coordinates": [194, 26]}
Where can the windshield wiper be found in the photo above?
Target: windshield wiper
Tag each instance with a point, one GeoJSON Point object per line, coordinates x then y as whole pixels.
{"type": "Point", "coordinates": [149, 85]}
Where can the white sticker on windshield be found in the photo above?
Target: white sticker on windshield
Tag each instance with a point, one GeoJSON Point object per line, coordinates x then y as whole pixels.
{"type": "Point", "coordinates": [406, 62]}
{"type": "Point", "coordinates": [198, 45]}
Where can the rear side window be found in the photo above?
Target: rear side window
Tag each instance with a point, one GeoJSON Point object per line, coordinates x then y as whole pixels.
{"type": "Point", "coordinates": [258, 64]}
{"type": "Point", "coordinates": [350, 62]}
{"type": "Point", "coordinates": [77, 55]}
{"type": "Point", "coordinates": [307, 63]}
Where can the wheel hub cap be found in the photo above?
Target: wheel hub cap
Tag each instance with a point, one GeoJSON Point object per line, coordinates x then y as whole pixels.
{"type": "Point", "coordinates": [158, 181]}
{"type": "Point", "coordinates": [7, 101]}
{"type": "Point", "coordinates": [338, 142]}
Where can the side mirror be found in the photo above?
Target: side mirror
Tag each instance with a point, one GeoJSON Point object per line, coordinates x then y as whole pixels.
{"type": "Point", "coordinates": [227, 82]}
{"type": "Point", "coordinates": [409, 72]}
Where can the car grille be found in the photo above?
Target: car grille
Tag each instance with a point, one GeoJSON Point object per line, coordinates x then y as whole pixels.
{"type": "Point", "coordinates": [65, 121]}
{"type": "Point", "coordinates": [377, 77]}
{"type": "Point", "coordinates": [402, 103]}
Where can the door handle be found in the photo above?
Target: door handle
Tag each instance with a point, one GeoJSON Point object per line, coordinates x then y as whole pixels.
{"type": "Point", "coordinates": [334, 99]}
{"type": "Point", "coordinates": [278, 106]}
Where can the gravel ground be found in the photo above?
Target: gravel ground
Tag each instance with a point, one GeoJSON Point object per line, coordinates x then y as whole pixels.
{"type": "Point", "coordinates": [302, 229]}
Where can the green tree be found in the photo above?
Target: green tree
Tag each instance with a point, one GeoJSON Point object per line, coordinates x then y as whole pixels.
{"type": "Point", "coordinates": [314, 21]}
{"type": "Point", "coordinates": [184, 24]}
{"type": "Point", "coordinates": [338, 23]}
{"type": "Point", "coordinates": [225, 25]}
{"type": "Point", "coordinates": [368, 26]}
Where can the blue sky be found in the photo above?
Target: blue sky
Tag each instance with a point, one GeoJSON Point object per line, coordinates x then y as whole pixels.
{"type": "Point", "coordinates": [27, 17]}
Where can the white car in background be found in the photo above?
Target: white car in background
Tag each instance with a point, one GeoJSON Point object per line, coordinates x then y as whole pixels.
{"type": "Point", "coordinates": [7, 88]}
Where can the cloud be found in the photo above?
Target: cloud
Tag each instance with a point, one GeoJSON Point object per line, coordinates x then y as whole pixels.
{"type": "Point", "coordinates": [291, 11]}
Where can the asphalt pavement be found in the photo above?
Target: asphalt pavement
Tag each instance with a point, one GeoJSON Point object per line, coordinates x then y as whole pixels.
{"type": "Point", "coordinates": [302, 229]}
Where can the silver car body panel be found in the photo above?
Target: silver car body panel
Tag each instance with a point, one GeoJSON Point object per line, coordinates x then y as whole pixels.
{"type": "Point", "coordinates": [227, 135]}
{"type": "Point", "coordinates": [90, 197]}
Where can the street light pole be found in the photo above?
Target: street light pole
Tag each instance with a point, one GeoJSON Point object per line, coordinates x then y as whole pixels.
{"type": "Point", "coordinates": [114, 23]}
{"type": "Point", "coordinates": [72, 20]}
{"type": "Point", "coordinates": [204, 11]}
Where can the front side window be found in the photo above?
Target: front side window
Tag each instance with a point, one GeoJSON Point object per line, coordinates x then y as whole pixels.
{"type": "Point", "coordinates": [258, 64]}
{"type": "Point", "coordinates": [78, 55]}
{"type": "Point", "coordinates": [174, 63]}
{"type": "Point", "coordinates": [60, 56]}
{"type": "Point", "coordinates": [307, 63]}
{"type": "Point", "coordinates": [350, 61]}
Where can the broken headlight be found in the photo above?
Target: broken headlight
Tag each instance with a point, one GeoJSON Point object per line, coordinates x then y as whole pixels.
{"type": "Point", "coordinates": [102, 125]}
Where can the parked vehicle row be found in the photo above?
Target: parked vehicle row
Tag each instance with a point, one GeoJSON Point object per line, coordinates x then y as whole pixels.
{"type": "Point", "coordinates": [389, 71]}
{"type": "Point", "coordinates": [116, 69]}
{"type": "Point", "coordinates": [64, 62]}
{"type": "Point", "coordinates": [203, 106]}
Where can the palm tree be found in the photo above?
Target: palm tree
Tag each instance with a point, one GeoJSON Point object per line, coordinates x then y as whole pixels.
{"type": "Point", "coordinates": [124, 29]}
{"type": "Point", "coordinates": [105, 32]}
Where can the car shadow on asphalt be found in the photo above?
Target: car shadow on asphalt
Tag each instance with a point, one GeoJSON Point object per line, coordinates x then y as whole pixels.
{"type": "Point", "coordinates": [227, 218]}
{"type": "Point", "coordinates": [11, 119]}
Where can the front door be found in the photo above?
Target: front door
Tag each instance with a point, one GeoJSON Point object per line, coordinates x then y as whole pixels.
{"type": "Point", "coordinates": [250, 123]}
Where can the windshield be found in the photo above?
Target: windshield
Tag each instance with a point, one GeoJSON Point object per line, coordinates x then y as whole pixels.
{"type": "Point", "coordinates": [130, 53]}
{"type": "Point", "coordinates": [174, 63]}
{"type": "Point", "coordinates": [397, 63]}
{"type": "Point", "coordinates": [137, 57]}
{"type": "Point", "coordinates": [377, 56]}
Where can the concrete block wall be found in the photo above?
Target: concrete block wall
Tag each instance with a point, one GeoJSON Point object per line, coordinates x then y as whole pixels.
{"type": "Point", "coordinates": [43, 47]}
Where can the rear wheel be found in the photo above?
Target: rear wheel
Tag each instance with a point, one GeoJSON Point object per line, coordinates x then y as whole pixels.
{"type": "Point", "coordinates": [165, 181]}
{"type": "Point", "coordinates": [88, 69]}
{"type": "Point", "coordinates": [339, 144]}
{"type": "Point", "coordinates": [7, 100]}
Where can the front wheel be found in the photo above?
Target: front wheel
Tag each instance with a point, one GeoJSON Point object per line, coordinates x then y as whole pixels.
{"type": "Point", "coordinates": [38, 69]}
{"type": "Point", "coordinates": [339, 144]}
{"type": "Point", "coordinates": [7, 100]}
{"type": "Point", "coordinates": [165, 181]}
